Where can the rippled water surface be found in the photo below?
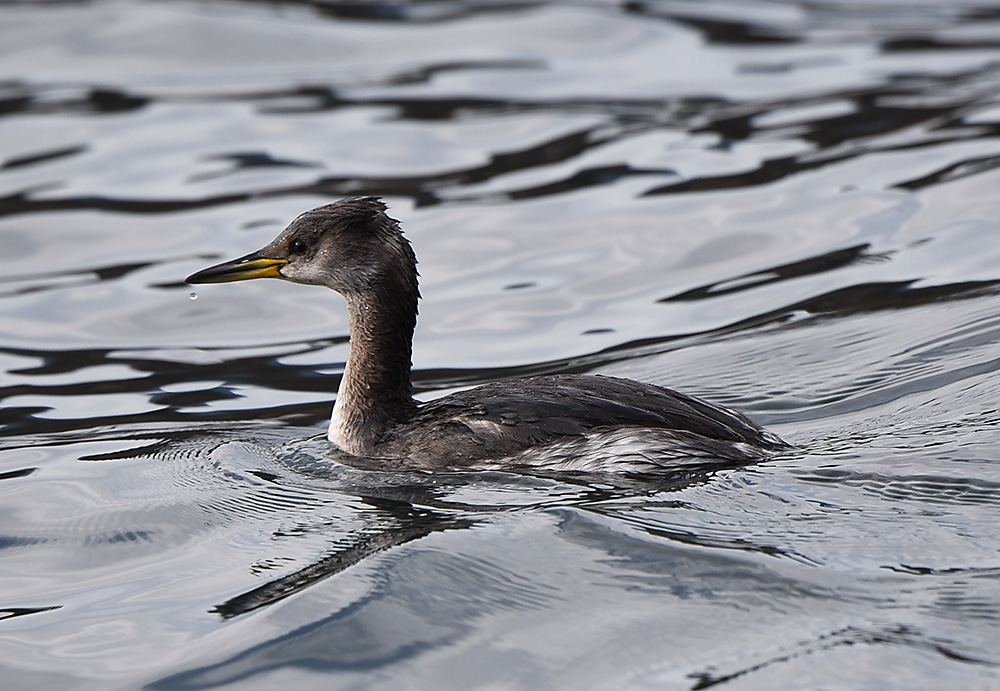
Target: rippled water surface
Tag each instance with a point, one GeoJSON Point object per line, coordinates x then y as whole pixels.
{"type": "Point", "coordinates": [789, 208]}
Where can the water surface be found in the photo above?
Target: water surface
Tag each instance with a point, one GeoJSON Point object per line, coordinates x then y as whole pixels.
{"type": "Point", "coordinates": [788, 208]}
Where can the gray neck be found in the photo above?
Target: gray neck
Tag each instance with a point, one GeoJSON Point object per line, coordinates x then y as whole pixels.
{"type": "Point", "coordinates": [375, 393]}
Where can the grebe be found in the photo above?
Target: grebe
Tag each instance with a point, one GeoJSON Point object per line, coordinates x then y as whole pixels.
{"type": "Point", "coordinates": [559, 422]}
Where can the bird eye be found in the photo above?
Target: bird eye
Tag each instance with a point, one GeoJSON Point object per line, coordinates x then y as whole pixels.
{"type": "Point", "coordinates": [298, 246]}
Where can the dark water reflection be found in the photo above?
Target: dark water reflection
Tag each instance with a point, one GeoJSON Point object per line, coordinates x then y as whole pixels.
{"type": "Point", "coordinates": [786, 207]}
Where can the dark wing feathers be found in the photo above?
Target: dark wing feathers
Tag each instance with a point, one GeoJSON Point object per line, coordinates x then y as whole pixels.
{"type": "Point", "coordinates": [502, 418]}
{"type": "Point", "coordinates": [578, 403]}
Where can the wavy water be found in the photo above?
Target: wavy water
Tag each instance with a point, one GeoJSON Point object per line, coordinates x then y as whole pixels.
{"type": "Point", "coordinates": [785, 207]}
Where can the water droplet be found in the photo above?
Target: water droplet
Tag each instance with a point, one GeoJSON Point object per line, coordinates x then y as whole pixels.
{"type": "Point", "coordinates": [193, 296]}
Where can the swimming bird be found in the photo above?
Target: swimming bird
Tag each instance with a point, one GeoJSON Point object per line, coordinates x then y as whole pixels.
{"type": "Point", "coordinates": [554, 422]}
